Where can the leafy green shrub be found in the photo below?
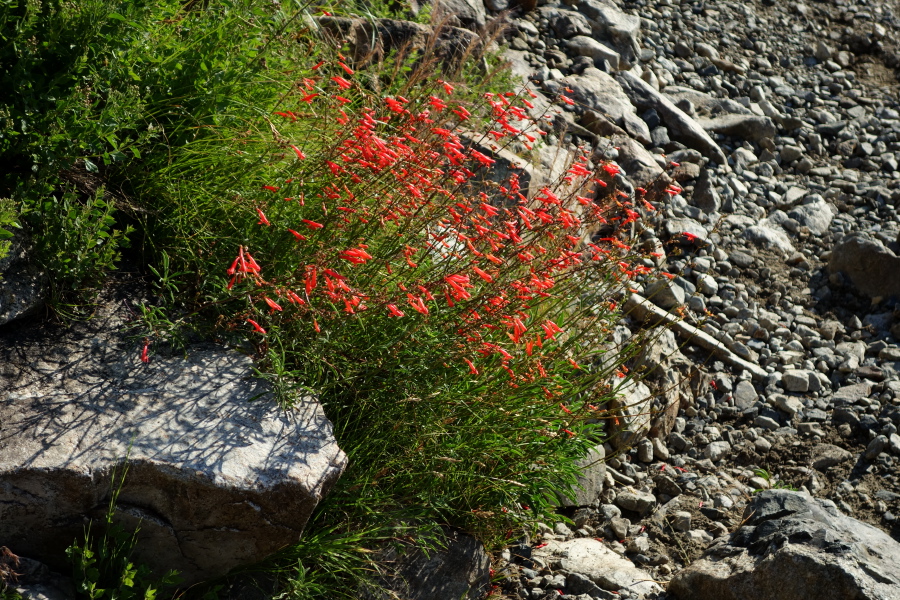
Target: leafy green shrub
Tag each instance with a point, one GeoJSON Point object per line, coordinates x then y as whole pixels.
{"type": "Point", "coordinates": [9, 218]}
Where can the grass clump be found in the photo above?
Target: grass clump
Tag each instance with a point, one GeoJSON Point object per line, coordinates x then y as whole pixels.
{"type": "Point", "coordinates": [358, 237]}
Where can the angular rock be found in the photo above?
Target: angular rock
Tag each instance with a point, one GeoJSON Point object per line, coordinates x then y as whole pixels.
{"type": "Point", "coordinates": [639, 502]}
{"type": "Point", "coordinates": [792, 547]}
{"type": "Point", "coordinates": [582, 45]}
{"type": "Point", "coordinates": [593, 89]}
{"type": "Point", "coordinates": [601, 565]}
{"type": "Point", "coordinates": [825, 456]}
{"type": "Point", "coordinates": [665, 293]}
{"type": "Point", "coordinates": [590, 481]}
{"type": "Point", "coordinates": [744, 394]}
{"type": "Point", "coordinates": [706, 197]}
{"type": "Point", "coordinates": [717, 450]}
{"type": "Point", "coordinates": [682, 126]}
{"type": "Point", "coordinates": [638, 164]}
{"type": "Point", "coordinates": [873, 269]}
{"type": "Point", "coordinates": [610, 23]}
{"type": "Point", "coordinates": [470, 13]}
{"type": "Point", "coordinates": [770, 237]}
{"type": "Point", "coordinates": [214, 480]}
{"type": "Point", "coordinates": [684, 230]}
{"type": "Point", "coordinates": [630, 407]}
{"type": "Point", "coordinates": [659, 352]}
{"type": "Point", "coordinates": [745, 127]}
{"type": "Point", "coordinates": [817, 216]}
{"type": "Point", "coordinates": [795, 380]}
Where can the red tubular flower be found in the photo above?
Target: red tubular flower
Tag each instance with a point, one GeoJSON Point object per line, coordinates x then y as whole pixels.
{"type": "Point", "coordinates": [256, 326]}
{"type": "Point", "coordinates": [299, 236]}
{"type": "Point", "coordinates": [342, 83]}
{"type": "Point", "coordinates": [346, 69]}
{"type": "Point", "coordinates": [272, 304]}
{"type": "Point", "coordinates": [308, 98]}
{"type": "Point", "coordinates": [483, 274]}
{"type": "Point", "coordinates": [417, 303]}
{"type": "Point", "coordinates": [356, 256]}
{"type": "Point", "coordinates": [484, 160]}
{"type": "Point", "coordinates": [271, 188]}
{"type": "Point", "coordinates": [312, 224]}
{"type": "Point", "coordinates": [395, 312]}
{"type": "Point", "coordinates": [310, 280]}
{"type": "Point", "coordinates": [262, 218]}
{"type": "Point", "coordinates": [472, 368]}
{"type": "Point", "coordinates": [145, 352]}
{"type": "Point", "coordinates": [300, 154]}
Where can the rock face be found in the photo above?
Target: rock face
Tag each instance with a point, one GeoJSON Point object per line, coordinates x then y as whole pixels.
{"type": "Point", "coordinates": [794, 547]}
{"type": "Point", "coordinates": [871, 267]}
{"type": "Point", "coordinates": [214, 480]}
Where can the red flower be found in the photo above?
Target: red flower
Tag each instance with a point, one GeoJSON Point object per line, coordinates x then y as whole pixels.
{"type": "Point", "coordinates": [299, 236]}
{"type": "Point", "coordinates": [312, 224]}
{"type": "Point", "coordinates": [272, 304]}
{"type": "Point", "coordinates": [472, 368]}
{"type": "Point", "coordinates": [356, 256]}
{"type": "Point", "coordinates": [395, 312]}
{"type": "Point", "coordinates": [256, 326]}
{"type": "Point", "coordinates": [300, 155]}
{"type": "Point", "coordinates": [343, 83]}
{"type": "Point", "coordinates": [482, 274]}
{"type": "Point", "coordinates": [262, 218]}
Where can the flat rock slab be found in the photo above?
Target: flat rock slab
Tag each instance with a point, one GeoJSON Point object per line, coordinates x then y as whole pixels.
{"type": "Point", "coordinates": [214, 479]}
{"type": "Point", "coordinates": [795, 547]}
{"type": "Point", "coordinates": [602, 566]}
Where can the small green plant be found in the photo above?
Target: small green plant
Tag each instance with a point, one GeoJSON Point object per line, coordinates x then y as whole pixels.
{"type": "Point", "coordinates": [79, 242]}
{"type": "Point", "coordinates": [9, 218]}
{"type": "Point", "coordinates": [102, 565]}
{"type": "Point", "coordinates": [774, 484]}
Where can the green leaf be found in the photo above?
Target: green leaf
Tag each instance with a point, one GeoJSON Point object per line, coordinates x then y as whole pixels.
{"type": "Point", "coordinates": [90, 167]}
{"type": "Point", "coordinates": [116, 16]}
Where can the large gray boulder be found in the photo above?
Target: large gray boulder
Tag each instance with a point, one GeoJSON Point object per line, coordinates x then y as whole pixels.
{"type": "Point", "coordinates": [872, 268]}
{"type": "Point", "coordinates": [795, 547]}
{"type": "Point", "coordinates": [218, 475]}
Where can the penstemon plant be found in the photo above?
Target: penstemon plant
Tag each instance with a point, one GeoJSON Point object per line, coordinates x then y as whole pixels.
{"type": "Point", "coordinates": [394, 222]}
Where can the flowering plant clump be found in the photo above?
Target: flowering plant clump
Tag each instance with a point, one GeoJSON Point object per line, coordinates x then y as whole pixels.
{"type": "Point", "coordinates": [382, 258]}
{"type": "Point", "coordinates": [452, 312]}
{"type": "Point", "coordinates": [389, 224]}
